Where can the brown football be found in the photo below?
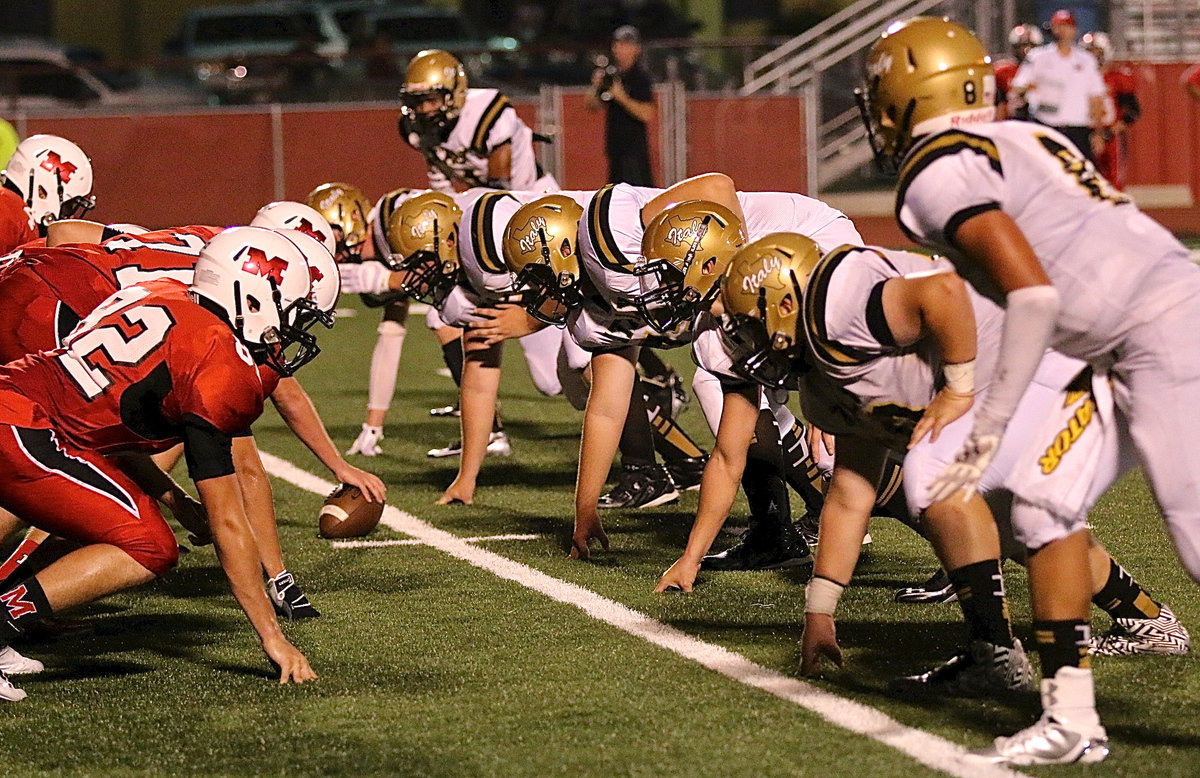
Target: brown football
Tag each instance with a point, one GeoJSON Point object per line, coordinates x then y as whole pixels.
{"type": "Point", "coordinates": [347, 514]}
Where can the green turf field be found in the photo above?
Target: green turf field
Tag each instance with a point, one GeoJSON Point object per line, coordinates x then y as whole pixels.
{"type": "Point", "coordinates": [431, 666]}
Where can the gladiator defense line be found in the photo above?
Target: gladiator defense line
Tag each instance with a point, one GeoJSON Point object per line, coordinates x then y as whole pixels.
{"type": "Point", "coordinates": [923, 747]}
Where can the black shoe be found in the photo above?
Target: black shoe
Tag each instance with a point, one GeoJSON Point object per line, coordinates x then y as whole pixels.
{"type": "Point", "coordinates": [753, 554]}
{"type": "Point", "coordinates": [937, 589]}
{"type": "Point", "coordinates": [808, 526]}
{"type": "Point", "coordinates": [445, 410]}
{"type": "Point", "coordinates": [640, 486]}
{"type": "Point", "coordinates": [290, 603]}
{"type": "Point", "coordinates": [686, 473]}
{"type": "Point", "coordinates": [980, 669]}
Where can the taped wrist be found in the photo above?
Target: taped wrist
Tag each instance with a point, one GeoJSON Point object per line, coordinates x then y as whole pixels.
{"type": "Point", "coordinates": [960, 377]}
{"type": "Point", "coordinates": [822, 595]}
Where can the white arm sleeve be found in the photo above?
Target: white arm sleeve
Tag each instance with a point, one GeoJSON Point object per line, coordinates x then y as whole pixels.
{"type": "Point", "coordinates": [1029, 321]}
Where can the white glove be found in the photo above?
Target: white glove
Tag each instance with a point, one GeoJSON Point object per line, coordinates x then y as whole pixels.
{"type": "Point", "coordinates": [364, 277]}
{"type": "Point", "coordinates": [968, 467]}
{"type": "Point", "coordinates": [367, 442]}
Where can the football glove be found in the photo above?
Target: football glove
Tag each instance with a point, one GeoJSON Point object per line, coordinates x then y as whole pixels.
{"type": "Point", "coordinates": [369, 277]}
{"type": "Point", "coordinates": [367, 442]}
{"type": "Point", "coordinates": [968, 467]}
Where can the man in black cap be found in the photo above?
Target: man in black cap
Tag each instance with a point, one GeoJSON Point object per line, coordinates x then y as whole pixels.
{"type": "Point", "coordinates": [625, 92]}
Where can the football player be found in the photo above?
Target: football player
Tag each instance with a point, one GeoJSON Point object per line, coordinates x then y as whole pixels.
{"type": "Point", "coordinates": [1029, 223]}
{"type": "Point", "coordinates": [52, 289]}
{"type": "Point", "coordinates": [1022, 39]}
{"type": "Point", "coordinates": [1121, 109]}
{"type": "Point", "coordinates": [469, 137]}
{"type": "Point", "coordinates": [47, 179]}
{"type": "Point", "coordinates": [155, 364]}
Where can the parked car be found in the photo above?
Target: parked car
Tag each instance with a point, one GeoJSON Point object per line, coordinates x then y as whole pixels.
{"type": "Point", "coordinates": [37, 74]}
{"type": "Point", "coordinates": [249, 52]}
{"type": "Point", "coordinates": [411, 28]}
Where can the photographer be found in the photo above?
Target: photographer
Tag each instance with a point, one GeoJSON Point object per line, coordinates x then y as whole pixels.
{"type": "Point", "coordinates": [623, 89]}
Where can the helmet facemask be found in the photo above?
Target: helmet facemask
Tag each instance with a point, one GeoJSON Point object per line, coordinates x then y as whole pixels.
{"type": "Point", "coordinates": [683, 287]}
{"type": "Point", "coordinates": [771, 356]}
{"type": "Point", "coordinates": [540, 251]}
{"type": "Point", "coordinates": [423, 235]}
{"type": "Point", "coordinates": [548, 296]}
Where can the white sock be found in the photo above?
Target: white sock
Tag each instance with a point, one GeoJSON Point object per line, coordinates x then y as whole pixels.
{"type": "Point", "coordinates": [1070, 697]}
{"type": "Point", "coordinates": [385, 363]}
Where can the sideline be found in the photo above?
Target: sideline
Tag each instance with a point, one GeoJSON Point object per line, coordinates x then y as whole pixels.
{"type": "Point", "coordinates": [926, 748]}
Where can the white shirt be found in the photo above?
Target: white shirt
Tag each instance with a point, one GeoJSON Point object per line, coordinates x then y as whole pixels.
{"type": "Point", "coordinates": [1060, 87]}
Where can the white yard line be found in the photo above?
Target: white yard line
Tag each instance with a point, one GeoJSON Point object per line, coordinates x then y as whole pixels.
{"type": "Point", "coordinates": [928, 749]}
{"type": "Point", "coordinates": [415, 542]}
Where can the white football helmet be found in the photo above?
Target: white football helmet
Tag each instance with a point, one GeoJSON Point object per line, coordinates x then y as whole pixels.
{"type": "Point", "coordinates": [288, 215]}
{"type": "Point", "coordinates": [1098, 44]}
{"type": "Point", "coordinates": [323, 273]}
{"type": "Point", "coordinates": [54, 178]}
{"type": "Point", "coordinates": [253, 277]}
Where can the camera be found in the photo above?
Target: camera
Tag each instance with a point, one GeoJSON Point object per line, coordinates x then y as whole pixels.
{"type": "Point", "coordinates": [609, 70]}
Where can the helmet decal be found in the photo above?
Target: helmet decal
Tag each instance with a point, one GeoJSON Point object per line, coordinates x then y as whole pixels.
{"type": "Point", "coordinates": [258, 263]}
{"type": "Point", "coordinates": [53, 163]}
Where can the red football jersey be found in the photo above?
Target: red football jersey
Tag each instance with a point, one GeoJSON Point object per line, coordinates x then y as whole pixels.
{"type": "Point", "coordinates": [16, 225]}
{"type": "Point", "coordinates": [1006, 71]}
{"type": "Point", "coordinates": [1118, 81]}
{"type": "Point", "coordinates": [132, 372]}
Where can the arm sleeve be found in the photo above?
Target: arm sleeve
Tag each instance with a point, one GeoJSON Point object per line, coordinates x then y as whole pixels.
{"type": "Point", "coordinates": [209, 452]}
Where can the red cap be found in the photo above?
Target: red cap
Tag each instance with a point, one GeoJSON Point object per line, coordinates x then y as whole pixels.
{"type": "Point", "coordinates": [1063, 16]}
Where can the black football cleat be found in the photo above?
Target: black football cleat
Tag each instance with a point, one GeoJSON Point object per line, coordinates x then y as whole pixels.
{"type": "Point", "coordinates": [752, 553]}
{"type": "Point", "coordinates": [686, 473]}
{"type": "Point", "coordinates": [980, 669]}
{"type": "Point", "coordinates": [640, 486]}
{"type": "Point", "coordinates": [937, 589]}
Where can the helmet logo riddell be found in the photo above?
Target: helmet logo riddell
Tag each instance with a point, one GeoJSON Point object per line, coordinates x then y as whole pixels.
{"type": "Point", "coordinates": [258, 263]}
{"type": "Point", "coordinates": [53, 163]}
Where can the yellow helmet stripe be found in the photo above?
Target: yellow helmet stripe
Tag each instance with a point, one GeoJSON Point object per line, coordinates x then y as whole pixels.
{"type": "Point", "coordinates": [483, 232]}
{"type": "Point", "coordinates": [600, 232]}
{"type": "Point", "coordinates": [490, 116]}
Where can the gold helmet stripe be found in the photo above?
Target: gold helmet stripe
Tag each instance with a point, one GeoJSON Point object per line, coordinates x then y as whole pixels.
{"type": "Point", "coordinates": [815, 296]}
{"type": "Point", "coordinates": [490, 116]}
{"type": "Point", "coordinates": [600, 232]}
{"type": "Point", "coordinates": [483, 232]}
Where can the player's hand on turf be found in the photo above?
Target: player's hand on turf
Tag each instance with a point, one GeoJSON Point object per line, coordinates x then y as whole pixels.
{"type": "Point", "coordinates": [369, 484]}
{"type": "Point", "coordinates": [964, 473]}
{"type": "Point", "coordinates": [293, 665]}
{"type": "Point", "coordinates": [819, 642]}
{"type": "Point", "coordinates": [504, 322]}
{"type": "Point", "coordinates": [364, 277]}
{"type": "Point", "coordinates": [681, 576]}
{"type": "Point", "coordinates": [458, 492]}
{"type": "Point", "coordinates": [587, 529]}
{"type": "Point", "coordinates": [946, 407]}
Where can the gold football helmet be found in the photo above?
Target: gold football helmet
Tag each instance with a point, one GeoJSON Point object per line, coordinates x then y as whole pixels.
{"type": "Point", "coordinates": [434, 92]}
{"type": "Point", "coordinates": [540, 251]}
{"type": "Point", "coordinates": [686, 248]}
{"type": "Point", "coordinates": [423, 235]}
{"type": "Point", "coordinates": [924, 75]}
{"type": "Point", "coordinates": [761, 294]}
{"type": "Point", "coordinates": [345, 207]}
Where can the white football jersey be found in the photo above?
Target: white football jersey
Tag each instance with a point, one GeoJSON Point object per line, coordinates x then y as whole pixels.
{"type": "Point", "coordinates": [863, 382]}
{"type": "Point", "coordinates": [710, 352]}
{"type": "Point", "coordinates": [486, 122]}
{"type": "Point", "coordinates": [768, 212]}
{"type": "Point", "coordinates": [1098, 249]}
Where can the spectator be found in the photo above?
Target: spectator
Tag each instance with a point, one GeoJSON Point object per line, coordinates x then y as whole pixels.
{"type": "Point", "coordinates": [1063, 85]}
{"type": "Point", "coordinates": [1121, 109]}
{"type": "Point", "coordinates": [1191, 82]}
{"type": "Point", "coordinates": [8, 141]}
{"type": "Point", "coordinates": [1023, 38]}
{"type": "Point", "coordinates": [624, 91]}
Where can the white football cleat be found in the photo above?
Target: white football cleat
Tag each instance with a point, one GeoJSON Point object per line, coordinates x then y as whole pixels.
{"type": "Point", "coordinates": [367, 442]}
{"type": "Point", "coordinates": [1047, 741]}
{"type": "Point", "coordinates": [9, 692]}
{"type": "Point", "coordinates": [1163, 634]}
{"type": "Point", "coordinates": [13, 663]}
